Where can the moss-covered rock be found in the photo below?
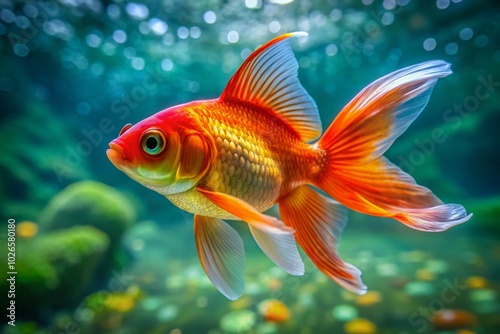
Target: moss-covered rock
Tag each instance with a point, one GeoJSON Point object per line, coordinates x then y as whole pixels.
{"type": "Point", "coordinates": [55, 269]}
{"type": "Point", "coordinates": [90, 203]}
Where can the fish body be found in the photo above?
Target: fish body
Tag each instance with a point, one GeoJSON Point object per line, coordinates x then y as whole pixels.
{"type": "Point", "coordinates": [255, 146]}
{"type": "Point", "coordinates": [256, 157]}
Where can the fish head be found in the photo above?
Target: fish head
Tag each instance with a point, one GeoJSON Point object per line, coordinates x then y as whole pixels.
{"type": "Point", "coordinates": [165, 152]}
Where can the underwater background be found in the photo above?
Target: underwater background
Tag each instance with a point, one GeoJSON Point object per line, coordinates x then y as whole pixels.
{"type": "Point", "coordinates": [98, 253]}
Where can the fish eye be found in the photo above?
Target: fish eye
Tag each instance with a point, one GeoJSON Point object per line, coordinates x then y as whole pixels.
{"type": "Point", "coordinates": [153, 142]}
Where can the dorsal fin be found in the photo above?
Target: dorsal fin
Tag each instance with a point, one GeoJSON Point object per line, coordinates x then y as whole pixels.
{"type": "Point", "coordinates": [268, 79]}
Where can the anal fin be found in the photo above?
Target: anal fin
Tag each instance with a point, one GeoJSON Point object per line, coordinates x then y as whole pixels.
{"type": "Point", "coordinates": [318, 222]}
{"type": "Point", "coordinates": [273, 237]}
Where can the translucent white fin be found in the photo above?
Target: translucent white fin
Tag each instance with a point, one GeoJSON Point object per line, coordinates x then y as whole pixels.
{"type": "Point", "coordinates": [221, 254]}
{"type": "Point", "coordinates": [281, 249]}
{"type": "Point", "coordinates": [273, 237]}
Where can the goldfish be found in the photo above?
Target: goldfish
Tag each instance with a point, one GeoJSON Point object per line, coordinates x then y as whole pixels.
{"type": "Point", "coordinates": [259, 144]}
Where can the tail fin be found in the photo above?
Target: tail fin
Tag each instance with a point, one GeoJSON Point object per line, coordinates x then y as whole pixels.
{"type": "Point", "coordinates": [355, 172]}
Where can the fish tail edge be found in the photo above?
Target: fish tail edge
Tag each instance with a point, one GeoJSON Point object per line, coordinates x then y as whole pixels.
{"type": "Point", "coordinates": [354, 170]}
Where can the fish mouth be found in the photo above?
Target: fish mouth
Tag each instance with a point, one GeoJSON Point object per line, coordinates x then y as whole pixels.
{"type": "Point", "coordinates": [116, 155]}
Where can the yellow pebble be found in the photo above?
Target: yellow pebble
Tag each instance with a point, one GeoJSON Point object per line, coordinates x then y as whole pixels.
{"type": "Point", "coordinates": [477, 282]}
{"type": "Point", "coordinates": [26, 229]}
{"type": "Point", "coordinates": [370, 298]}
{"type": "Point", "coordinates": [360, 326]}
{"type": "Point", "coordinates": [242, 303]}
{"type": "Point", "coordinates": [120, 302]}
{"type": "Point", "coordinates": [425, 275]}
{"type": "Point", "coordinates": [274, 311]}
{"type": "Point", "coordinates": [465, 331]}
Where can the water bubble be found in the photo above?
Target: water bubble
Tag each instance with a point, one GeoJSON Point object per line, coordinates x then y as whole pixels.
{"type": "Point", "coordinates": [138, 63]}
{"type": "Point", "coordinates": [366, 2]}
{"type": "Point", "coordinates": [209, 17]}
{"type": "Point", "coordinates": [481, 41]}
{"type": "Point", "coordinates": [167, 65]}
{"type": "Point", "coordinates": [201, 302]}
{"type": "Point", "coordinates": [22, 22]}
{"type": "Point", "coordinates": [274, 26]}
{"type": "Point", "coordinates": [280, 2]}
{"type": "Point", "coordinates": [109, 49]}
{"type": "Point", "coordinates": [305, 62]}
{"type": "Point", "coordinates": [93, 40]}
{"type": "Point", "coordinates": [442, 4]}
{"type": "Point", "coordinates": [335, 15]}
{"type": "Point", "coordinates": [368, 49]}
{"type": "Point", "coordinates": [253, 4]}
{"type": "Point", "coordinates": [317, 18]}
{"type": "Point", "coordinates": [387, 18]}
{"type": "Point", "coordinates": [168, 39]}
{"type": "Point", "coordinates": [7, 16]}
{"type": "Point", "coordinates": [389, 4]}
{"type": "Point", "coordinates": [30, 10]}
{"type": "Point", "coordinates": [193, 86]}
{"type": "Point", "coordinates": [158, 26]}
{"type": "Point", "coordinates": [304, 24]}
{"type": "Point", "coordinates": [21, 50]}
{"type": "Point", "coordinates": [167, 313]}
{"type": "Point", "coordinates": [129, 52]}
{"type": "Point", "coordinates": [81, 62]}
{"type": "Point", "coordinates": [451, 48]}
{"type": "Point", "coordinates": [97, 69]}
{"type": "Point", "coordinates": [245, 53]}
{"type": "Point", "coordinates": [83, 108]}
{"type": "Point", "coordinates": [137, 11]}
{"type": "Point", "coordinates": [465, 34]}
{"type": "Point", "coordinates": [144, 28]}
{"type": "Point", "coordinates": [113, 11]}
{"type": "Point", "coordinates": [195, 32]}
{"type": "Point", "coordinates": [429, 44]}
{"type": "Point", "coordinates": [331, 50]}
{"type": "Point", "coordinates": [183, 32]}
{"type": "Point", "coordinates": [119, 36]}
{"type": "Point", "coordinates": [233, 36]}
{"type": "Point", "coordinates": [59, 28]}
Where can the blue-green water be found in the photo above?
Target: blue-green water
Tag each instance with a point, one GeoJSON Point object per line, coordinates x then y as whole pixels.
{"type": "Point", "coordinates": [113, 257]}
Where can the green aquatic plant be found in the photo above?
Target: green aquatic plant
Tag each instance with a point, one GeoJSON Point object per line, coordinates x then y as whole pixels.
{"type": "Point", "coordinates": [56, 268]}
{"type": "Point", "coordinates": [28, 177]}
{"type": "Point", "coordinates": [487, 214]}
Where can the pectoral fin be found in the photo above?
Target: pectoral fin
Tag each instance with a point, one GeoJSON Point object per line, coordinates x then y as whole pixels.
{"type": "Point", "coordinates": [221, 254]}
{"type": "Point", "coordinates": [273, 237]}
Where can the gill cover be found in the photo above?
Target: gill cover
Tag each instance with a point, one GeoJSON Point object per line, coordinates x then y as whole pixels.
{"type": "Point", "coordinates": [194, 157]}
